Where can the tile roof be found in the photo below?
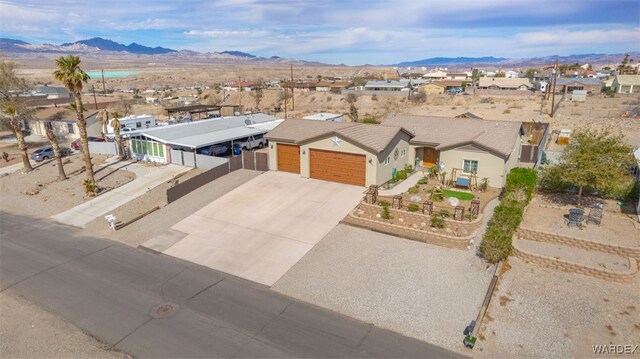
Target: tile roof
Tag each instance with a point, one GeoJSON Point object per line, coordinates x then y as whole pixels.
{"type": "Point", "coordinates": [628, 79]}
{"type": "Point", "coordinates": [373, 137]}
{"type": "Point", "coordinates": [444, 133]}
{"type": "Point", "coordinates": [588, 81]}
{"type": "Point", "coordinates": [58, 114]}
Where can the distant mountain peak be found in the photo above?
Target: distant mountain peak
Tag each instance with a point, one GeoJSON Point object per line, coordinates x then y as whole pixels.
{"type": "Point", "coordinates": [237, 53]}
{"type": "Point", "coordinates": [110, 45]}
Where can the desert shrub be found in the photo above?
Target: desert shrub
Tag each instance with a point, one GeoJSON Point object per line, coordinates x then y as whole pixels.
{"type": "Point", "coordinates": [423, 180]}
{"type": "Point", "coordinates": [486, 100]}
{"type": "Point", "coordinates": [437, 196]}
{"type": "Point", "coordinates": [408, 169]}
{"type": "Point", "coordinates": [384, 203]}
{"type": "Point", "coordinates": [374, 97]}
{"type": "Point", "coordinates": [313, 98]}
{"type": "Point", "coordinates": [437, 221]}
{"type": "Point", "coordinates": [414, 189]}
{"type": "Point", "coordinates": [90, 188]}
{"type": "Point", "coordinates": [506, 111]}
{"type": "Point", "coordinates": [420, 97]}
{"type": "Point", "coordinates": [385, 213]}
{"type": "Point", "coordinates": [352, 98]}
{"type": "Point", "coordinates": [401, 175]}
{"type": "Point", "coordinates": [328, 99]}
{"type": "Point", "coordinates": [484, 183]}
{"type": "Point", "coordinates": [444, 213]}
{"type": "Point", "coordinates": [370, 120]}
{"type": "Point", "coordinates": [65, 151]}
{"type": "Point", "coordinates": [413, 207]}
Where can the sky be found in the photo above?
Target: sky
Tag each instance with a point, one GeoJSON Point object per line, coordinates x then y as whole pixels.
{"type": "Point", "coordinates": [351, 32]}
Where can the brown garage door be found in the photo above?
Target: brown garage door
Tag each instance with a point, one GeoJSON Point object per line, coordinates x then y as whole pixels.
{"type": "Point", "coordinates": [288, 158]}
{"type": "Point", "coordinates": [340, 167]}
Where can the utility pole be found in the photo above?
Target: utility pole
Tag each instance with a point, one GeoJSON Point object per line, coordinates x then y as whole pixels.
{"type": "Point", "coordinates": [285, 103]}
{"type": "Point", "coordinates": [239, 93]}
{"type": "Point", "coordinates": [95, 101]}
{"type": "Point", "coordinates": [293, 101]}
{"type": "Point", "coordinates": [553, 95]}
{"type": "Point", "coordinates": [104, 89]}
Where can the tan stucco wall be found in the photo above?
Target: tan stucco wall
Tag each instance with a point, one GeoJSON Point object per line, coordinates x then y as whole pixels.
{"type": "Point", "coordinates": [489, 165]}
{"type": "Point", "coordinates": [512, 161]}
{"type": "Point", "coordinates": [431, 89]}
{"type": "Point", "coordinates": [377, 171]}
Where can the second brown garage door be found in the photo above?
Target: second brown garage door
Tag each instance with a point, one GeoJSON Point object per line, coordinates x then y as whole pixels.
{"type": "Point", "coordinates": [340, 167]}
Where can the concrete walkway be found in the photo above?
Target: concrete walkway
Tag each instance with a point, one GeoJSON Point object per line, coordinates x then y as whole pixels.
{"type": "Point", "coordinates": [146, 179]}
{"type": "Point", "coordinates": [404, 185]}
{"type": "Point", "coordinates": [10, 169]}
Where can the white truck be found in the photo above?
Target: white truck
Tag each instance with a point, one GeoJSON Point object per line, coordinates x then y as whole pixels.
{"type": "Point", "coordinates": [133, 122]}
{"type": "Point", "coordinates": [251, 142]}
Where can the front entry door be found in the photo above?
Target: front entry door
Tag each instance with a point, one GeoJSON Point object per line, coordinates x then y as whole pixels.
{"type": "Point", "coordinates": [430, 157]}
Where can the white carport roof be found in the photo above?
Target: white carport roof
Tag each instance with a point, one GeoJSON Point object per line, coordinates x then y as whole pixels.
{"type": "Point", "coordinates": [208, 132]}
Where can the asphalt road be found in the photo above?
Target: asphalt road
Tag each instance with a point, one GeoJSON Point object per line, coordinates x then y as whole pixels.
{"type": "Point", "coordinates": [151, 305]}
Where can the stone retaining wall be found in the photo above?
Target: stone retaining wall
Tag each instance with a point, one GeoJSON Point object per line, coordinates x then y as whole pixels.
{"type": "Point", "coordinates": [426, 236]}
{"type": "Point", "coordinates": [566, 266]}
{"type": "Point", "coordinates": [541, 236]}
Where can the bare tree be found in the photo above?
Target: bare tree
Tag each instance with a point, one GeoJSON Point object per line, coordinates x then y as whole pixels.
{"type": "Point", "coordinates": [57, 154]}
{"type": "Point", "coordinates": [257, 93]}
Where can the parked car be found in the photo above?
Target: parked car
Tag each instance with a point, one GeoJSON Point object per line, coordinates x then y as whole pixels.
{"type": "Point", "coordinates": [251, 142]}
{"type": "Point", "coordinates": [76, 145]}
{"type": "Point", "coordinates": [215, 150]}
{"type": "Point", "coordinates": [42, 154]}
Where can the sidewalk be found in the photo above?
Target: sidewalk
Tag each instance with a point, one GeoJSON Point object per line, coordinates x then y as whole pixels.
{"type": "Point", "coordinates": [146, 179]}
{"type": "Point", "coordinates": [405, 185]}
{"type": "Point", "coordinates": [12, 168]}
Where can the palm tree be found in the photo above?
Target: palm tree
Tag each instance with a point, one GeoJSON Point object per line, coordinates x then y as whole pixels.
{"type": "Point", "coordinates": [57, 153]}
{"type": "Point", "coordinates": [116, 133]}
{"type": "Point", "coordinates": [72, 76]}
{"type": "Point", "coordinates": [16, 126]}
{"type": "Point", "coordinates": [103, 118]}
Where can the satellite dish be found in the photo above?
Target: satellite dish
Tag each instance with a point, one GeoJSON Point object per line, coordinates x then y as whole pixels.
{"type": "Point", "coordinates": [247, 121]}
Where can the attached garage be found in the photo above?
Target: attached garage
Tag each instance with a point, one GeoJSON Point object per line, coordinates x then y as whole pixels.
{"type": "Point", "coordinates": [348, 168]}
{"type": "Point", "coordinates": [288, 158]}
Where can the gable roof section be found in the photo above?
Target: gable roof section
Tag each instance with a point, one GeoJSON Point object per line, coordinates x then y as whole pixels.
{"type": "Point", "coordinates": [587, 81]}
{"type": "Point", "coordinates": [504, 82]}
{"type": "Point", "coordinates": [444, 133]}
{"type": "Point", "coordinates": [375, 138]}
{"type": "Point", "coordinates": [628, 79]}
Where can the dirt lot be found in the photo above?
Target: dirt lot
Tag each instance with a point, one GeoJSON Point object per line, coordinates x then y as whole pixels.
{"type": "Point", "coordinates": [9, 145]}
{"type": "Point", "coordinates": [616, 228]}
{"type": "Point", "coordinates": [540, 313]}
{"type": "Point", "coordinates": [40, 194]}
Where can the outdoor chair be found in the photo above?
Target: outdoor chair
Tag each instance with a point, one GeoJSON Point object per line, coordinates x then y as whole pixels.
{"type": "Point", "coordinates": [576, 217]}
{"type": "Point", "coordinates": [595, 214]}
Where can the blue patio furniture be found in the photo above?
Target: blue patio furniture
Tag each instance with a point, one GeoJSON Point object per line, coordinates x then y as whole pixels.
{"type": "Point", "coordinates": [462, 182]}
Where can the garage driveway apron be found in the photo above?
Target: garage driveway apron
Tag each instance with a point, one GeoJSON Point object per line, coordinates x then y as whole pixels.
{"type": "Point", "coordinates": [261, 229]}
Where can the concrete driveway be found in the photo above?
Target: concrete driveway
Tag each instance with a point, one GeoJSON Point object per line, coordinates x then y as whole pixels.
{"type": "Point", "coordinates": [261, 229]}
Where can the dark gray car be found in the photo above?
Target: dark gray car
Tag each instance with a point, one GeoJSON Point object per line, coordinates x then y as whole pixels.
{"type": "Point", "coordinates": [43, 153]}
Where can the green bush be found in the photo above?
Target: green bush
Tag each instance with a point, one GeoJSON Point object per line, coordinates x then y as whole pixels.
{"type": "Point", "coordinates": [444, 213]}
{"type": "Point", "coordinates": [414, 190]}
{"type": "Point", "coordinates": [384, 203]}
{"type": "Point", "coordinates": [423, 180]}
{"type": "Point", "coordinates": [401, 175]}
{"type": "Point", "coordinates": [408, 169]}
{"type": "Point", "coordinates": [385, 213]}
{"type": "Point", "coordinates": [437, 221]}
{"type": "Point", "coordinates": [496, 242]}
{"type": "Point", "coordinates": [413, 207]}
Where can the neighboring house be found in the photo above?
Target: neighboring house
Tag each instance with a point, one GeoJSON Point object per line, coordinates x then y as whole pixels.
{"type": "Point", "coordinates": [469, 115]}
{"type": "Point", "coordinates": [511, 74]}
{"type": "Point", "coordinates": [388, 85]}
{"type": "Point", "coordinates": [503, 83]}
{"type": "Point", "coordinates": [62, 121]}
{"type": "Point", "coordinates": [391, 75]}
{"type": "Point", "coordinates": [568, 85]}
{"type": "Point", "coordinates": [626, 84]}
{"type": "Point", "coordinates": [305, 86]}
{"type": "Point", "coordinates": [335, 86]}
{"type": "Point", "coordinates": [51, 92]}
{"type": "Point", "coordinates": [324, 116]}
{"type": "Point", "coordinates": [440, 87]}
{"type": "Point", "coordinates": [155, 144]}
{"type": "Point", "coordinates": [435, 75]}
{"type": "Point", "coordinates": [363, 155]}
{"type": "Point", "coordinates": [457, 76]}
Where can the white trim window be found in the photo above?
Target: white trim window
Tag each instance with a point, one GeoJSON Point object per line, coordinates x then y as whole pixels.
{"type": "Point", "coordinates": [403, 153]}
{"type": "Point", "coordinates": [387, 161]}
{"type": "Point", "coordinates": [469, 166]}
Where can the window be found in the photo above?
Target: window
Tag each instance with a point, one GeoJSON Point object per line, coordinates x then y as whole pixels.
{"type": "Point", "coordinates": [387, 161]}
{"type": "Point", "coordinates": [470, 166]}
{"type": "Point", "coordinates": [403, 152]}
{"type": "Point", "coordinates": [138, 124]}
{"type": "Point", "coordinates": [70, 128]}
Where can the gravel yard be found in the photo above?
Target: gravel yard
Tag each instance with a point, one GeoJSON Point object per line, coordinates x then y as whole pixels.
{"type": "Point", "coordinates": [539, 312]}
{"type": "Point", "coordinates": [155, 223]}
{"type": "Point", "coordinates": [426, 292]}
{"type": "Point", "coordinates": [40, 194]}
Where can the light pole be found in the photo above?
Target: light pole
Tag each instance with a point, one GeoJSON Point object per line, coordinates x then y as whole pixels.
{"type": "Point", "coordinates": [553, 94]}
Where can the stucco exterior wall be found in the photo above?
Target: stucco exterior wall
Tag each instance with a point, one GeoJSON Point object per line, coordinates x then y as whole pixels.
{"type": "Point", "coordinates": [489, 165]}
{"type": "Point", "coordinates": [384, 172]}
{"type": "Point", "coordinates": [512, 161]}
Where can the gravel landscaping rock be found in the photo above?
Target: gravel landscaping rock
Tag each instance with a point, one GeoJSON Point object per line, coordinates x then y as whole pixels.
{"type": "Point", "coordinates": [423, 291]}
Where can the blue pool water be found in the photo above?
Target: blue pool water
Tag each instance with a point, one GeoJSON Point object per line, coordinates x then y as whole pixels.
{"type": "Point", "coordinates": [111, 74]}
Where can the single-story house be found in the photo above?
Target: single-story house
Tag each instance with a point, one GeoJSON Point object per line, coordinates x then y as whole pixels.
{"type": "Point", "coordinates": [569, 84]}
{"type": "Point", "coordinates": [457, 76]}
{"type": "Point", "coordinates": [324, 116]}
{"type": "Point", "coordinates": [435, 75]}
{"type": "Point", "coordinates": [305, 86]}
{"type": "Point", "coordinates": [363, 154]}
{"type": "Point", "coordinates": [63, 122]}
{"type": "Point", "coordinates": [387, 85]}
{"type": "Point", "coordinates": [326, 86]}
{"type": "Point", "coordinates": [626, 84]}
{"type": "Point", "coordinates": [51, 92]}
{"type": "Point", "coordinates": [155, 144]}
{"type": "Point", "coordinates": [390, 75]}
{"type": "Point", "coordinates": [503, 83]}
{"type": "Point", "coordinates": [439, 87]}
{"type": "Point", "coordinates": [469, 115]}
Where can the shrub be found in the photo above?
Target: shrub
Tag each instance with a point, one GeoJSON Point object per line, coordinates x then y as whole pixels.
{"type": "Point", "coordinates": [522, 177]}
{"type": "Point", "coordinates": [352, 98]}
{"type": "Point", "coordinates": [437, 196]}
{"type": "Point", "coordinates": [401, 175]}
{"type": "Point", "coordinates": [413, 207]}
{"type": "Point", "coordinates": [420, 97]}
{"type": "Point", "coordinates": [408, 169]}
{"type": "Point", "coordinates": [444, 213]}
{"type": "Point", "coordinates": [384, 203]}
{"type": "Point", "coordinates": [374, 97]}
{"type": "Point", "coordinates": [370, 120]}
{"type": "Point", "coordinates": [423, 180]}
{"type": "Point", "coordinates": [414, 189]}
{"type": "Point", "coordinates": [385, 213]}
{"type": "Point", "coordinates": [437, 221]}
{"type": "Point", "coordinates": [484, 184]}
{"type": "Point", "coordinates": [90, 188]}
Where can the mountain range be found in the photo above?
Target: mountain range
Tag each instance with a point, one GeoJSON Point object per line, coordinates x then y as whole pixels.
{"type": "Point", "coordinates": [101, 46]}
